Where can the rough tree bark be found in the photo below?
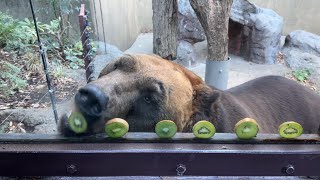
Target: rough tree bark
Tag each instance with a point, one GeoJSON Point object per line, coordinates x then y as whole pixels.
{"type": "Point", "coordinates": [214, 18]}
{"type": "Point", "coordinates": [165, 28]}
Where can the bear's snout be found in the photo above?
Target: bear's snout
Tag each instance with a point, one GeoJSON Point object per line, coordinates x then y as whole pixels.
{"type": "Point", "coordinates": [91, 101]}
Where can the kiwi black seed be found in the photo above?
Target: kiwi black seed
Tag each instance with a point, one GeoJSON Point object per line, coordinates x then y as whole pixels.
{"type": "Point", "coordinates": [290, 129]}
{"type": "Point", "coordinates": [246, 128]}
{"type": "Point", "coordinates": [166, 129]}
{"type": "Point", "coordinates": [203, 129]}
{"type": "Point", "coordinates": [116, 128]}
{"type": "Point", "coordinates": [77, 123]}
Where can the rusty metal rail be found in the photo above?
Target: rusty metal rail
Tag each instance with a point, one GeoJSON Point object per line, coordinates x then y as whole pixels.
{"type": "Point", "coordinates": [86, 44]}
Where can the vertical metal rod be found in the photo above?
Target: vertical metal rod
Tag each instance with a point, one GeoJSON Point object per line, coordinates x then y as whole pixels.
{"type": "Point", "coordinates": [83, 23]}
{"type": "Point", "coordinates": [95, 16]}
{"type": "Point", "coordinates": [45, 66]}
{"type": "Point", "coordinates": [104, 36]}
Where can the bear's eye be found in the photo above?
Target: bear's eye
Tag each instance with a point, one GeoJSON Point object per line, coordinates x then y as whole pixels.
{"type": "Point", "coordinates": [147, 99]}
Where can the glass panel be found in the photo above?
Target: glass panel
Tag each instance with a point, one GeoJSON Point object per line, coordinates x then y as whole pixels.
{"type": "Point", "coordinates": [263, 69]}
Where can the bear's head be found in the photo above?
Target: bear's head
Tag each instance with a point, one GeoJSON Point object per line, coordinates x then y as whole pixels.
{"type": "Point", "coordinates": [142, 89]}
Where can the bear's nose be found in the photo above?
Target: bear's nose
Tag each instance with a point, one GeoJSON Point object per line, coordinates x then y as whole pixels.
{"type": "Point", "coordinates": [91, 100]}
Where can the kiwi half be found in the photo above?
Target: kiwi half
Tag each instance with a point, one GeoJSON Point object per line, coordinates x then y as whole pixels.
{"type": "Point", "coordinates": [246, 128]}
{"type": "Point", "coordinates": [166, 129]}
{"type": "Point", "coordinates": [77, 123]}
{"type": "Point", "coordinates": [290, 129]}
{"type": "Point", "coordinates": [116, 128]}
{"type": "Point", "coordinates": [203, 129]}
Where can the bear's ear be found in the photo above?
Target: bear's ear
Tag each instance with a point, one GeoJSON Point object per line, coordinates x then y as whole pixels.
{"type": "Point", "coordinates": [104, 71]}
{"type": "Point", "coordinates": [194, 79]}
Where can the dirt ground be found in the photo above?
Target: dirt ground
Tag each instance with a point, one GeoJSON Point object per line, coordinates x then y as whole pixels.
{"type": "Point", "coordinates": [34, 99]}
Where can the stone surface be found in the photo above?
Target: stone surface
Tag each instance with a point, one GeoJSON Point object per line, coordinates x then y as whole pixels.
{"type": "Point", "coordinates": [260, 37]}
{"type": "Point", "coordinates": [142, 45]}
{"type": "Point", "coordinates": [302, 51]}
{"type": "Point", "coordinates": [189, 27]}
{"type": "Point", "coordinates": [254, 32]}
{"type": "Point", "coordinates": [185, 54]}
{"type": "Point", "coordinates": [304, 41]}
{"type": "Point", "coordinates": [297, 59]}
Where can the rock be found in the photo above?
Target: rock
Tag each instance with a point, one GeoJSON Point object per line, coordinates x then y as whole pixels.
{"type": "Point", "coordinates": [304, 41]}
{"type": "Point", "coordinates": [189, 27]}
{"type": "Point", "coordinates": [302, 51]}
{"type": "Point", "coordinates": [266, 37]}
{"type": "Point", "coordinates": [185, 54]}
{"type": "Point", "coordinates": [297, 59]}
{"type": "Point", "coordinates": [142, 45]}
{"type": "Point", "coordinates": [254, 32]}
{"type": "Point", "coordinates": [241, 11]}
{"type": "Point", "coordinates": [31, 119]}
{"type": "Point", "coordinates": [260, 35]}
{"type": "Point", "coordinates": [103, 58]}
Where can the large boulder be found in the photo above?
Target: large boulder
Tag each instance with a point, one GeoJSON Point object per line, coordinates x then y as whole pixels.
{"type": "Point", "coordinates": [302, 51]}
{"type": "Point", "coordinates": [259, 38]}
{"type": "Point", "coordinates": [254, 32]}
{"type": "Point", "coordinates": [189, 27]}
{"type": "Point", "coordinates": [297, 59]}
{"type": "Point", "coordinates": [304, 41]}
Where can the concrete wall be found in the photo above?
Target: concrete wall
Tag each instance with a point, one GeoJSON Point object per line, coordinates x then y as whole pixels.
{"type": "Point", "coordinates": [298, 14]}
{"type": "Point", "coordinates": [123, 20]}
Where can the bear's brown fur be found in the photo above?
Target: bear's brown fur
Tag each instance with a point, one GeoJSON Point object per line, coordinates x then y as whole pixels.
{"type": "Point", "coordinates": [144, 89]}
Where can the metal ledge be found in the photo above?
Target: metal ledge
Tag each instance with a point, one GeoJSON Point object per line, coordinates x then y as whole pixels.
{"type": "Point", "coordinates": [131, 137]}
{"type": "Point", "coordinates": [51, 155]}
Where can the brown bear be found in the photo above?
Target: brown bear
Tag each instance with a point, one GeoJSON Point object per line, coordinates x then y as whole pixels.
{"type": "Point", "coordinates": [144, 89]}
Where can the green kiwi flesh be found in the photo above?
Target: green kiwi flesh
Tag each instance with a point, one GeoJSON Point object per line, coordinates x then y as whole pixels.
{"type": "Point", "coordinates": [290, 129]}
{"type": "Point", "coordinates": [77, 123]}
{"type": "Point", "coordinates": [166, 129]}
{"type": "Point", "coordinates": [116, 128]}
{"type": "Point", "coordinates": [246, 128]}
{"type": "Point", "coordinates": [203, 129]}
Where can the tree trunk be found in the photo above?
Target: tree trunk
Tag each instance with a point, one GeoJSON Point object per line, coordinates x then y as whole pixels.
{"type": "Point", "coordinates": [214, 18]}
{"type": "Point", "coordinates": [165, 28]}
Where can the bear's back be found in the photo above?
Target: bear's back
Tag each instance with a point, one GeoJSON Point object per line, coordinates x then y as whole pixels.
{"type": "Point", "coordinates": [272, 100]}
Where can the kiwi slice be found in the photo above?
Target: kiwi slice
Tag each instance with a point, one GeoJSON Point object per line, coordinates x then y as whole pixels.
{"type": "Point", "coordinates": [203, 129]}
{"type": "Point", "coordinates": [246, 128]}
{"type": "Point", "coordinates": [77, 123]}
{"type": "Point", "coordinates": [166, 129]}
{"type": "Point", "coordinates": [116, 128]}
{"type": "Point", "coordinates": [290, 129]}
